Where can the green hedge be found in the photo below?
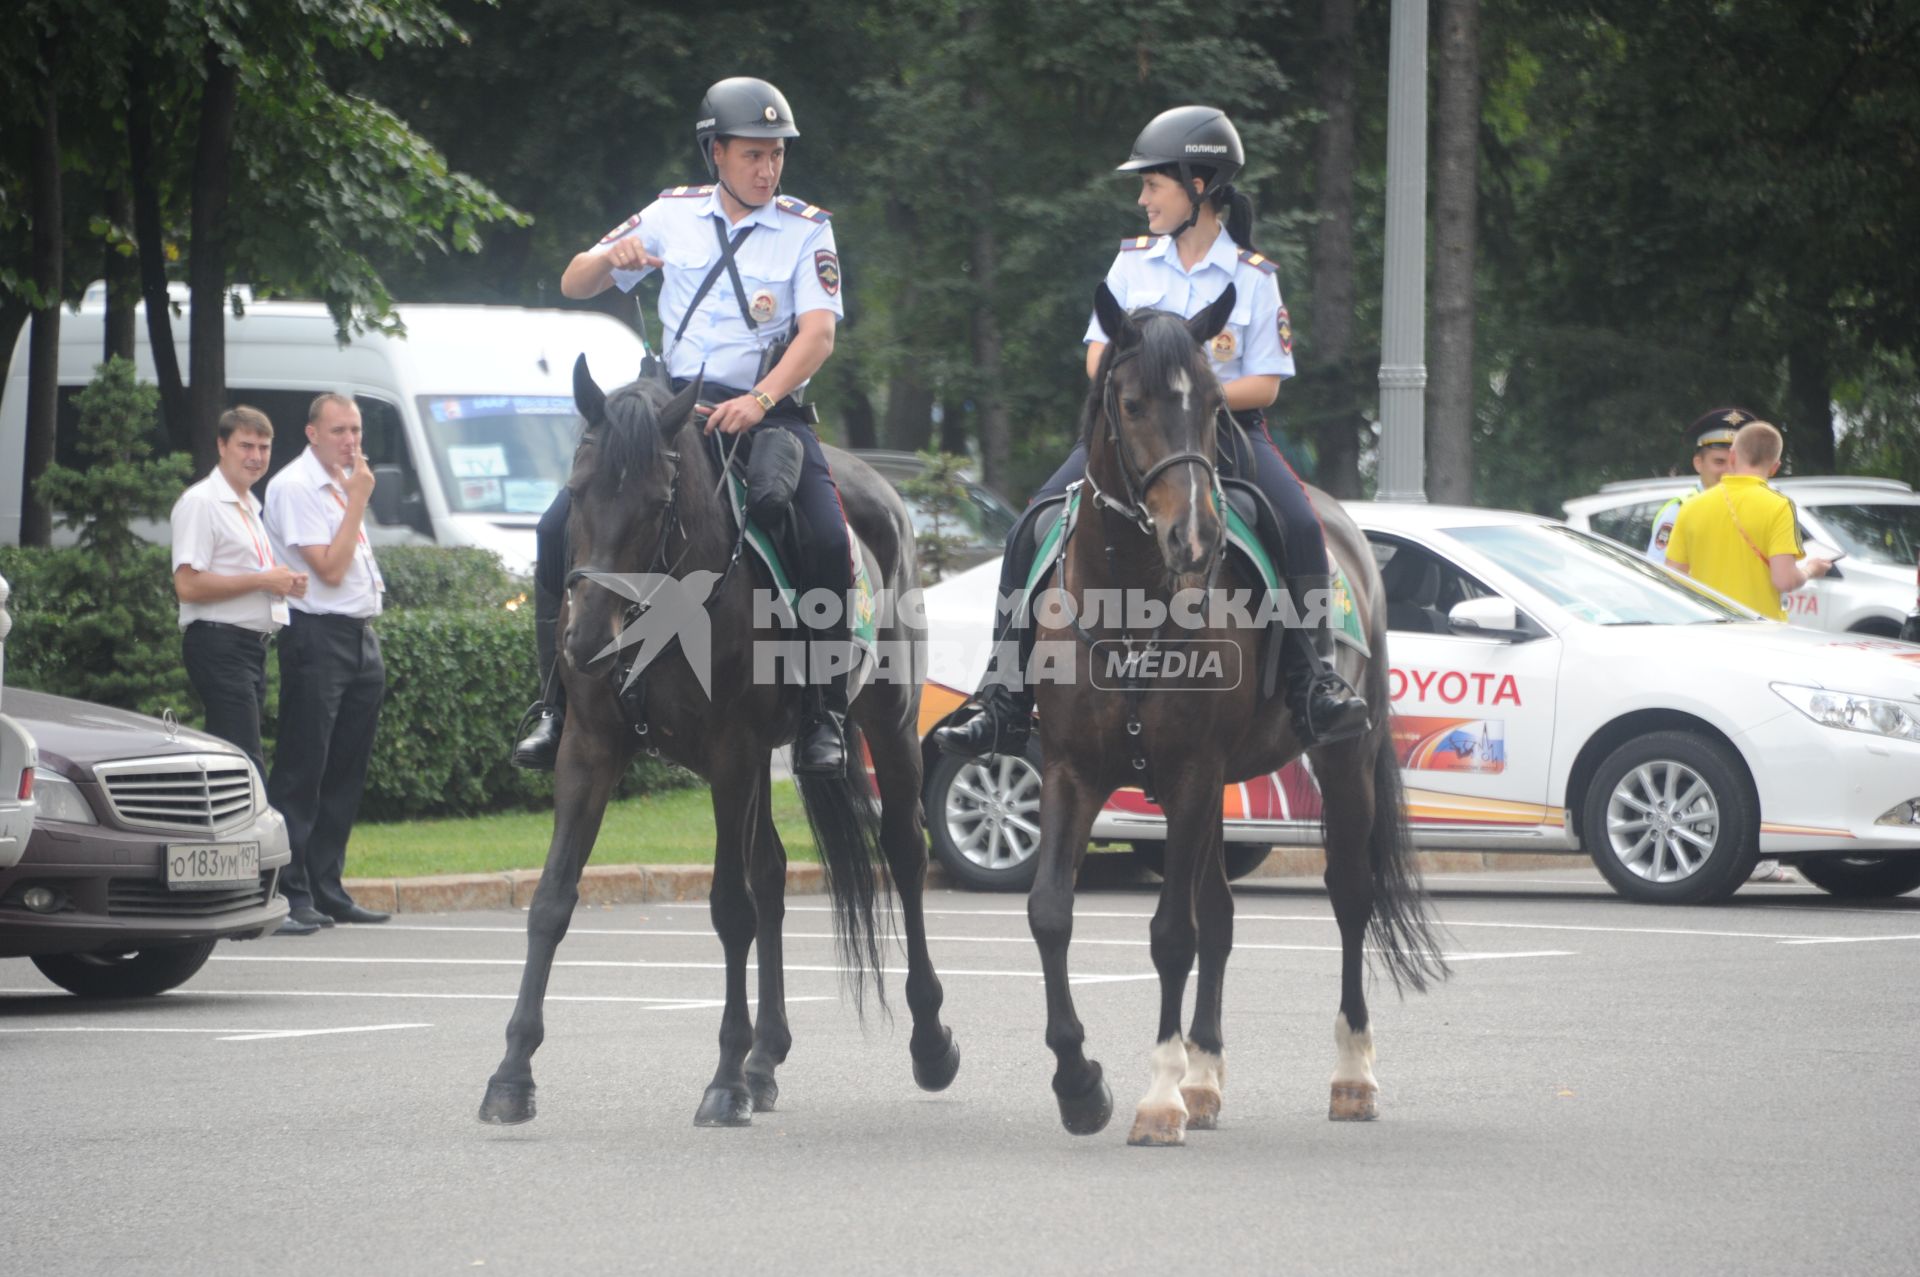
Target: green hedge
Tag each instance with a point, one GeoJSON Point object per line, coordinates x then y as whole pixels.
{"type": "Point", "coordinates": [458, 677]}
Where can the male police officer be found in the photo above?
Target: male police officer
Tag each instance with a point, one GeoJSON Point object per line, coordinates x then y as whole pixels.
{"type": "Point", "coordinates": [742, 268]}
{"type": "Point", "coordinates": [1712, 437]}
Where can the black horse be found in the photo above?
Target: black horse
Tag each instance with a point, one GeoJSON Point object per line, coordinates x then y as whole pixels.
{"type": "Point", "coordinates": [647, 506]}
{"type": "Point", "coordinates": [1150, 527]}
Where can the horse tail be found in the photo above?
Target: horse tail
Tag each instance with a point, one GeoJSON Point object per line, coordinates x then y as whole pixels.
{"type": "Point", "coordinates": [1402, 925]}
{"type": "Point", "coordinates": [845, 818]}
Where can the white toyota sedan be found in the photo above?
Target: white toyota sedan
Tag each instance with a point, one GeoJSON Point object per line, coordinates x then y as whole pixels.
{"type": "Point", "coordinates": [1552, 692]}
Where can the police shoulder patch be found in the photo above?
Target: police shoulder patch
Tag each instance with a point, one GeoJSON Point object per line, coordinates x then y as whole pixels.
{"type": "Point", "coordinates": [800, 208]}
{"type": "Point", "coordinates": [1265, 264]}
{"type": "Point", "coordinates": [621, 229]}
{"type": "Point", "coordinates": [1134, 243]}
{"type": "Point", "coordinates": [685, 192]}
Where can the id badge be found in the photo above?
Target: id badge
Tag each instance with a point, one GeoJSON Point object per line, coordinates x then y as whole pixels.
{"type": "Point", "coordinates": [279, 612]}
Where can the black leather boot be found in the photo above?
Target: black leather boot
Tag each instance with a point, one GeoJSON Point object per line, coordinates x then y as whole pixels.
{"type": "Point", "coordinates": [821, 747]}
{"type": "Point", "coordinates": [1324, 705]}
{"type": "Point", "coordinates": [541, 746]}
{"type": "Point", "coordinates": [1003, 714]}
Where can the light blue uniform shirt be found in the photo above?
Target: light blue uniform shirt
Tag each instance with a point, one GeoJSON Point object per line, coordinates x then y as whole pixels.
{"type": "Point", "coordinates": [788, 266]}
{"type": "Point", "coordinates": [1258, 338]}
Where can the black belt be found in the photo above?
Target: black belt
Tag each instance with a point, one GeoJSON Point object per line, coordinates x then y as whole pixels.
{"type": "Point", "coordinates": [249, 631]}
{"type": "Point", "coordinates": [359, 621]}
{"type": "Point", "coordinates": [714, 392]}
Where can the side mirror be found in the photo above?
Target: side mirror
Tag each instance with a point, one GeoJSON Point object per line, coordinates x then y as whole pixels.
{"type": "Point", "coordinates": [1491, 617]}
{"type": "Point", "coordinates": [389, 483]}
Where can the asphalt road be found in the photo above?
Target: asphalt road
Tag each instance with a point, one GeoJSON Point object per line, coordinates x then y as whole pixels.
{"type": "Point", "coordinates": [1602, 1088]}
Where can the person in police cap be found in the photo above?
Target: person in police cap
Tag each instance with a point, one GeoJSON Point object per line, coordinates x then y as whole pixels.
{"type": "Point", "coordinates": [722, 318]}
{"type": "Point", "coordinates": [1712, 436]}
{"type": "Point", "coordinates": [1199, 241]}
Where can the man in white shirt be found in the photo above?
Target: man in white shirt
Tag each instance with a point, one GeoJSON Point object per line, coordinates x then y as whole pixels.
{"type": "Point", "coordinates": [331, 676]}
{"type": "Point", "coordinates": [233, 594]}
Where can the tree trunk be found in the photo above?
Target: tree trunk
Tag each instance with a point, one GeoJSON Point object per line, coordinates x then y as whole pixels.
{"type": "Point", "coordinates": [1456, 176]}
{"type": "Point", "coordinates": [1328, 389]}
{"type": "Point", "coordinates": [150, 240]}
{"type": "Point", "coordinates": [953, 427]}
{"type": "Point", "coordinates": [856, 418]}
{"type": "Point", "coordinates": [43, 357]}
{"type": "Point", "coordinates": [122, 273]}
{"type": "Point", "coordinates": [909, 421]}
{"type": "Point", "coordinates": [1808, 429]}
{"type": "Point", "coordinates": [996, 444]}
{"type": "Point", "coordinates": [207, 268]}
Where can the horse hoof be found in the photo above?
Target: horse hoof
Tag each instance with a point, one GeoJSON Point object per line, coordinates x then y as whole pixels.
{"type": "Point", "coordinates": [764, 1091]}
{"type": "Point", "coordinates": [1203, 1107]}
{"type": "Point", "coordinates": [1163, 1127]}
{"type": "Point", "coordinates": [1354, 1102]}
{"type": "Point", "coordinates": [725, 1106]}
{"type": "Point", "coordinates": [1088, 1112]}
{"type": "Point", "coordinates": [937, 1074]}
{"type": "Point", "coordinates": [507, 1103]}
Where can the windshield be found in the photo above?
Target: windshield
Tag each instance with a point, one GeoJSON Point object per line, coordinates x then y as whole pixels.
{"type": "Point", "coordinates": [1875, 533]}
{"type": "Point", "coordinates": [1595, 579]}
{"type": "Point", "coordinates": [500, 454]}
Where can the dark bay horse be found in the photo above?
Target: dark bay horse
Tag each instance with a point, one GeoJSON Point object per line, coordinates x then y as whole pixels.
{"type": "Point", "coordinates": [1149, 527]}
{"type": "Point", "coordinates": [646, 506]}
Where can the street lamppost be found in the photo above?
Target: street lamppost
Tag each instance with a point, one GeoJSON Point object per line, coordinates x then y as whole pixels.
{"type": "Point", "coordinates": [1403, 312]}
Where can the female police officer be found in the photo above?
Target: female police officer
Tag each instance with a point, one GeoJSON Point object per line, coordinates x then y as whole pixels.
{"type": "Point", "coordinates": [741, 267]}
{"type": "Point", "coordinates": [1187, 158]}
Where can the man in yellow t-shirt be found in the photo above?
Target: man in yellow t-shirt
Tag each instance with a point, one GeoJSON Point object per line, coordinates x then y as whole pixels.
{"type": "Point", "coordinates": [1740, 536]}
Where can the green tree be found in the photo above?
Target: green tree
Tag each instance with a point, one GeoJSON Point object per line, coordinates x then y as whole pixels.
{"type": "Point", "coordinates": [98, 619]}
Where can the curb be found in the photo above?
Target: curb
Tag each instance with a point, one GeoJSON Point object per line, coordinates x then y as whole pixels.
{"type": "Point", "coordinates": [641, 884]}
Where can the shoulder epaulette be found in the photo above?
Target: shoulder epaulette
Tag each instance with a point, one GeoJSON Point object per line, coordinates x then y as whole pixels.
{"type": "Point", "coordinates": [800, 208]}
{"type": "Point", "coordinates": [685, 192]}
{"type": "Point", "coordinates": [1260, 261]}
{"type": "Point", "coordinates": [1133, 243]}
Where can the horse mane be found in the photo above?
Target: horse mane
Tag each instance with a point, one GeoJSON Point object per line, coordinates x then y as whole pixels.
{"type": "Point", "coordinates": [1165, 347]}
{"type": "Point", "coordinates": [630, 428]}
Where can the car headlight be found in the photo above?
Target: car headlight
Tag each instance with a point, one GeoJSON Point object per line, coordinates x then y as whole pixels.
{"type": "Point", "coordinates": [259, 788]}
{"type": "Point", "coordinates": [1853, 712]}
{"type": "Point", "coordinates": [61, 799]}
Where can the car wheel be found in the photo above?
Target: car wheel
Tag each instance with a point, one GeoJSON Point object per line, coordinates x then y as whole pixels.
{"type": "Point", "coordinates": [1671, 819]}
{"type": "Point", "coordinates": [139, 974]}
{"type": "Point", "coordinates": [984, 815]}
{"type": "Point", "coordinates": [1242, 857]}
{"type": "Point", "coordinates": [1861, 877]}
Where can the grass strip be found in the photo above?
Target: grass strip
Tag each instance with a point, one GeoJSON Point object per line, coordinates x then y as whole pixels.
{"type": "Point", "coordinates": [670, 828]}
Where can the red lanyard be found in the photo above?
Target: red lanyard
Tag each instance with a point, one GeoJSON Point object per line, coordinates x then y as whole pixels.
{"type": "Point", "coordinates": [343, 505]}
{"type": "Point", "coordinates": [257, 547]}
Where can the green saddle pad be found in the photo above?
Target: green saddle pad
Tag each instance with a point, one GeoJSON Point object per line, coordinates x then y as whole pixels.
{"type": "Point", "coordinates": [1240, 537]}
{"type": "Point", "coordinates": [764, 545]}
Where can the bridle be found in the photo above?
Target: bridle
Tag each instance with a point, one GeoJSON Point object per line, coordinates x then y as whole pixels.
{"type": "Point", "coordinates": [1137, 481]}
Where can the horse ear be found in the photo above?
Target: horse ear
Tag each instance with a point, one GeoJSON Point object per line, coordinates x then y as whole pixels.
{"type": "Point", "coordinates": [675, 414]}
{"type": "Point", "coordinates": [1114, 320]}
{"type": "Point", "coordinates": [1206, 325]}
{"type": "Point", "coordinates": [587, 397]}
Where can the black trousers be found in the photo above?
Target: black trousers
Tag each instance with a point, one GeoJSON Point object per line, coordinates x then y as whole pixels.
{"type": "Point", "coordinates": [331, 685]}
{"type": "Point", "coordinates": [227, 665]}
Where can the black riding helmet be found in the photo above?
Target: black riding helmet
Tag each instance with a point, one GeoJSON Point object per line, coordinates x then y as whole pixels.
{"type": "Point", "coordinates": [1194, 141]}
{"type": "Point", "coordinates": [741, 107]}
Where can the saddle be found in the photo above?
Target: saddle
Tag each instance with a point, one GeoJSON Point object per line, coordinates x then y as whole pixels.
{"type": "Point", "coordinates": [1255, 538]}
{"type": "Point", "coordinates": [763, 472]}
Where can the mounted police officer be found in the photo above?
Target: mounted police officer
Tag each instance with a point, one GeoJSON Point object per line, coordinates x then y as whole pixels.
{"type": "Point", "coordinates": [749, 300]}
{"type": "Point", "coordinates": [1187, 158]}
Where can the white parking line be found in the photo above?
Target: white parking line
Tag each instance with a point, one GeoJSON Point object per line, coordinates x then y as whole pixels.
{"type": "Point", "coordinates": [222, 1035]}
{"type": "Point", "coordinates": [642, 964]}
{"type": "Point", "coordinates": [650, 1004]}
{"type": "Point", "coordinates": [1850, 939]}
